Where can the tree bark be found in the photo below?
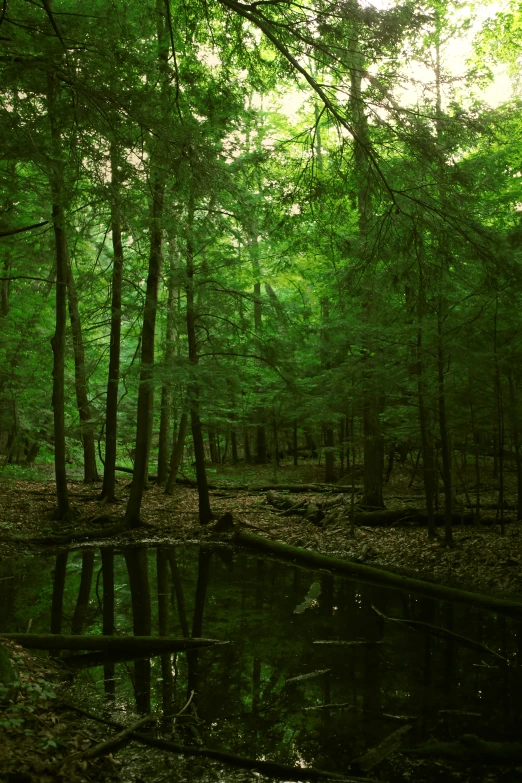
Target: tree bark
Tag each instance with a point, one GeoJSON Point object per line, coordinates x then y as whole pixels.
{"type": "Point", "coordinates": [111, 411]}
{"type": "Point", "coordinates": [166, 389]}
{"type": "Point", "coordinates": [205, 512]}
{"type": "Point", "coordinates": [82, 604]}
{"type": "Point", "coordinates": [56, 181]}
{"type": "Point", "coordinates": [177, 453]}
{"type": "Point", "coordinates": [90, 470]}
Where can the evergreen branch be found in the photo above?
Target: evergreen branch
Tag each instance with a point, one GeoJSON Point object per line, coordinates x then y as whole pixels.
{"type": "Point", "coordinates": [262, 24]}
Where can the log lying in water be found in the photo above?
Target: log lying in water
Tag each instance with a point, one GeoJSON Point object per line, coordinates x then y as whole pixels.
{"type": "Point", "coordinates": [114, 644]}
{"type": "Point", "coordinates": [373, 575]}
{"type": "Point", "coordinates": [471, 749]}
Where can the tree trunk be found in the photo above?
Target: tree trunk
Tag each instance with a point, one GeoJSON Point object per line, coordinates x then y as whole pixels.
{"type": "Point", "coordinates": [56, 180]}
{"type": "Point", "coordinates": [428, 464]}
{"type": "Point", "coordinates": [233, 441]}
{"type": "Point", "coordinates": [82, 604]}
{"type": "Point", "coordinates": [111, 411]}
{"type": "Point", "coordinates": [260, 444]}
{"type": "Point", "coordinates": [60, 572]}
{"type": "Point", "coordinates": [329, 456]}
{"type": "Point", "coordinates": [90, 470]}
{"type": "Point", "coordinates": [205, 512]}
{"type": "Point", "coordinates": [177, 453]}
{"type": "Point", "coordinates": [516, 441]}
{"type": "Point", "coordinates": [166, 389]}
{"type": "Point", "coordinates": [445, 441]}
{"type": "Point", "coordinates": [146, 387]}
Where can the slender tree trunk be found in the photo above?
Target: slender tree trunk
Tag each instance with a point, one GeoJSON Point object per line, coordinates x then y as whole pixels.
{"type": "Point", "coordinates": [60, 572]}
{"type": "Point", "coordinates": [138, 569]}
{"type": "Point", "coordinates": [233, 441]}
{"type": "Point", "coordinates": [500, 423]}
{"type": "Point", "coordinates": [428, 466]}
{"type": "Point", "coordinates": [373, 440]}
{"type": "Point", "coordinates": [111, 411]}
{"type": "Point", "coordinates": [82, 604]}
{"type": "Point", "coordinates": [166, 389]}
{"type": "Point", "coordinates": [295, 449]}
{"type": "Point", "coordinates": [107, 556]}
{"type": "Point", "coordinates": [90, 470]}
{"type": "Point", "coordinates": [177, 453]}
{"type": "Point", "coordinates": [146, 387]}
{"type": "Point", "coordinates": [444, 440]}
{"type": "Point", "coordinates": [56, 180]}
{"type": "Point", "coordinates": [205, 512]}
{"type": "Point", "coordinates": [516, 441]}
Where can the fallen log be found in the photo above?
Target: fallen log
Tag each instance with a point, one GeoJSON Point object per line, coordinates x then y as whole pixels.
{"type": "Point", "coordinates": [471, 749]}
{"type": "Point", "coordinates": [442, 633]}
{"type": "Point", "coordinates": [116, 644]}
{"type": "Point", "coordinates": [375, 575]}
{"type": "Point", "coordinates": [381, 752]}
{"type": "Point", "coordinates": [300, 488]}
{"type": "Point", "coordinates": [272, 769]}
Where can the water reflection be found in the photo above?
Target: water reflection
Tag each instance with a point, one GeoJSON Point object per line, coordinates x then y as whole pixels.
{"type": "Point", "coordinates": [237, 697]}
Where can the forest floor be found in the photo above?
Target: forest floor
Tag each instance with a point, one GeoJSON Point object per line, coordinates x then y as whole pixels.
{"type": "Point", "coordinates": [482, 559]}
{"type": "Point", "coordinates": [48, 734]}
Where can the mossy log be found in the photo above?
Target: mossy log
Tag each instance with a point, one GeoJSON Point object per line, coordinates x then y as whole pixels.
{"type": "Point", "coordinates": [472, 750]}
{"type": "Point", "coordinates": [112, 644]}
{"type": "Point", "coordinates": [374, 575]}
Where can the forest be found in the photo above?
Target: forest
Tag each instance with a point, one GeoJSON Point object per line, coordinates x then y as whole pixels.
{"type": "Point", "coordinates": [259, 268]}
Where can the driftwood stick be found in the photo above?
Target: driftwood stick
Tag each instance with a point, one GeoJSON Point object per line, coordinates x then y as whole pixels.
{"type": "Point", "coordinates": [271, 769]}
{"type": "Point", "coordinates": [375, 575]}
{"type": "Point", "coordinates": [443, 633]}
{"type": "Point", "coordinates": [108, 746]}
{"type": "Point", "coordinates": [116, 644]}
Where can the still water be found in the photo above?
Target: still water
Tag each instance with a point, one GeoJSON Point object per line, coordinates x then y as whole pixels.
{"type": "Point", "coordinates": [312, 674]}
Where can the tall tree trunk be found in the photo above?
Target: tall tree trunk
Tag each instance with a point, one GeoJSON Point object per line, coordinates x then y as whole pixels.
{"type": "Point", "coordinates": [177, 452]}
{"type": "Point", "coordinates": [108, 629]}
{"type": "Point", "coordinates": [166, 389]}
{"type": "Point", "coordinates": [146, 388]}
{"type": "Point", "coordinates": [373, 440]}
{"type": "Point", "coordinates": [444, 440]}
{"type": "Point", "coordinates": [428, 464]}
{"type": "Point", "coordinates": [56, 181]}
{"type": "Point", "coordinates": [138, 570]}
{"type": "Point", "coordinates": [516, 441]}
{"type": "Point", "coordinates": [60, 572]}
{"type": "Point", "coordinates": [90, 471]}
{"type": "Point", "coordinates": [205, 512]}
{"type": "Point", "coordinates": [82, 604]}
{"type": "Point", "coordinates": [111, 411]}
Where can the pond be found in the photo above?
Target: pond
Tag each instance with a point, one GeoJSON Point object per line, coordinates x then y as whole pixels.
{"type": "Point", "coordinates": [312, 674]}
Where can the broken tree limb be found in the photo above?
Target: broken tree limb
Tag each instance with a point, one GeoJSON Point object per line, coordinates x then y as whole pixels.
{"type": "Point", "coordinates": [374, 575]}
{"type": "Point", "coordinates": [375, 755]}
{"type": "Point", "coordinates": [442, 633]}
{"type": "Point", "coordinates": [110, 745]}
{"type": "Point", "coordinates": [116, 644]}
{"type": "Point", "coordinates": [272, 769]}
